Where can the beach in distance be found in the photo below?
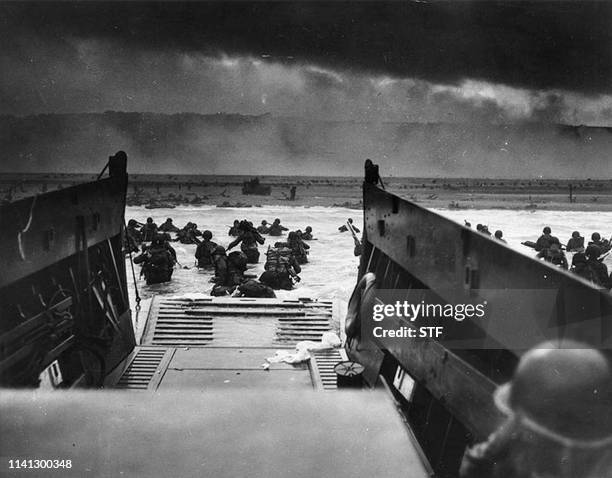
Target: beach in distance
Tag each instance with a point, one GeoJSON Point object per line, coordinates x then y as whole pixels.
{"type": "Point", "coordinates": [154, 191]}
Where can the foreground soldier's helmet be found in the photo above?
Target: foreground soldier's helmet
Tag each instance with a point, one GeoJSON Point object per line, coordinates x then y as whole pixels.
{"type": "Point", "coordinates": [277, 221]}
{"type": "Point", "coordinates": [562, 392]}
{"type": "Point", "coordinates": [264, 222]}
{"type": "Point", "coordinates": [499, 234]}
{"type": "Point", "coordinates": [576, 234]}
{"type": "Point", "coordinates": [169, 219]}
{"type": "Point", "coordinates": [149, 220]}
{"type": "Point", "coordinates": [592, 251]}
{"type": "Point", "coordinates": [546, 230]}
{"type": "Point", "coordinates": [595, 236]}
{"type": "Point", "coordinates": [308, 229]}
{"type": "Point", "coordinates": [207, 235]}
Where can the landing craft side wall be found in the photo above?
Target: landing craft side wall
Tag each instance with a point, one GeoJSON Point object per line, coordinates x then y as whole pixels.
{"type": "Point", "coordinates": [56, 221]}
{"type": "Point", "coordinates": [63, 288]}
{"type": "Point", "coordinates": [459, 264]}
{"type": "Point", "coordinates": [409, 247]}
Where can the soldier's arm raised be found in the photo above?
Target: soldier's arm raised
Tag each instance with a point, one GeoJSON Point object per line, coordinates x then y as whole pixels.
{"type": "Point", "coordinates": [234, 242]}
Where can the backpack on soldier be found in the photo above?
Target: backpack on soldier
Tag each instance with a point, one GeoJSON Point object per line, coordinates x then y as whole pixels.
{"type": "Point", "coordinates": [253, 288]}
{"type": "Point", "coordinates": [277, 259]}
{"type": "Point", "coordinates": [238, 260]}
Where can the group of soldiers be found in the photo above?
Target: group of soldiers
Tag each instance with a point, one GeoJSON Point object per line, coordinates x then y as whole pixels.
{"type": "Point", "coordinates": [158, 258]}
{"type": "Point", "coordinates": [587, 262]}
{"type": "Point", "coordinates": [484, 229]}
{"type": "Point", "coordinates": [281, 269]}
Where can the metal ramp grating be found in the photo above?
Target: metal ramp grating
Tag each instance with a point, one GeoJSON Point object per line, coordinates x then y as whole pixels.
{"type": "Point", "coordinates": [145, 369]}
{"type": "Point", "coordinates": [174, 328]}
{"type": "Point", "coordinates": [306, 327]}
{"type": "Point", "coordinates": [231, 322]}
{"type": "Point", "coordinates": [322, 364]}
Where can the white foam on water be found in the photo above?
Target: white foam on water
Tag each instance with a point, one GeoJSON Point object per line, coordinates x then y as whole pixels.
{"type": "Point", "coordinates": [332, 270]}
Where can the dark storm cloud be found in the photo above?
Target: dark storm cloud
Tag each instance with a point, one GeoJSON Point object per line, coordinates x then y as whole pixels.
{"type": "Point", "coordinates": [535, 45]}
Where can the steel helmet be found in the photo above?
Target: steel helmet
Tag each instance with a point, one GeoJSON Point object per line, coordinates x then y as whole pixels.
{"type": "Point", "coordinates": [595, 236]}
{"type": "Point", "coordinates": [207, 235]}
{"type": "Point", "coordinates": [562, 391]}
{"type": "Point", "coordinates": [546, 230]}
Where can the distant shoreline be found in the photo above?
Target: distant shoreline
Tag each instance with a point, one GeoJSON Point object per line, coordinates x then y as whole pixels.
{"type": "Point", "coordinates": [436, 193]}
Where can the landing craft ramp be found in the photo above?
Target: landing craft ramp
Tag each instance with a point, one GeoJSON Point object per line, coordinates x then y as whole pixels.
{"type": "Point", "coordinates": [220, 342]}
{"type": "Point", "coordinates": [204, 356]}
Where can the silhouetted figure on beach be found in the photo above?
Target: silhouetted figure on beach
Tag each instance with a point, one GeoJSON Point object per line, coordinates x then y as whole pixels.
{"type": "Point", "coordinates": [234, 230]}
{"type": "Point", "coordinates": [603, 244]}
{"type": "Point", "coordinates": [499, 235]}
{"type": "Point", "coordinates": [345, 227]}
{"type": "Point", "coordinates": [203, 253]}
{"type": "Point", "coordinates": [281, 268]}
{"type": "Point", "coordinates": [189, 234]}
{"type": "Point", "coordinates": [599, 271]}
{"type": "Point", "coordinates": [575, 243]}
{"type": "Point", "coordinates": [157, 262]}
{"type": "Point", "coordinates": [263, 228]}
{"type": "Point", "coordinates": [276, 229]}
{"type": "Point", "coordinates": [546, 240]}
{"type": "Point", "coordinates": [249, 237]}
{"type": "Point", "coordinates": [149, 230]}
{"type": "Point", "coordinates": [168, 226]}
{"type": "Point", "coordinates": [371, 173]}
{"type": "Point", "coordinates": [307, 235]}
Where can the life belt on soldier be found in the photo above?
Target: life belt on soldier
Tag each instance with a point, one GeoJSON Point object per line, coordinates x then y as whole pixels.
{"type": "Point", "coordinates": [360, 304]}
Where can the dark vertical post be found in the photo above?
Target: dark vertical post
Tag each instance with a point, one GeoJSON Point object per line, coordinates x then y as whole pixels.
{"type": "Point", "coordinates": [571, 191]}
{"type": "Point", "coordinates": [117, 164]}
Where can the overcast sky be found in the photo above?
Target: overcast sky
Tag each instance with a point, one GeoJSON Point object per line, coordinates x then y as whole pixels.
{"type": "Point", "coordinates": [400, 61]}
